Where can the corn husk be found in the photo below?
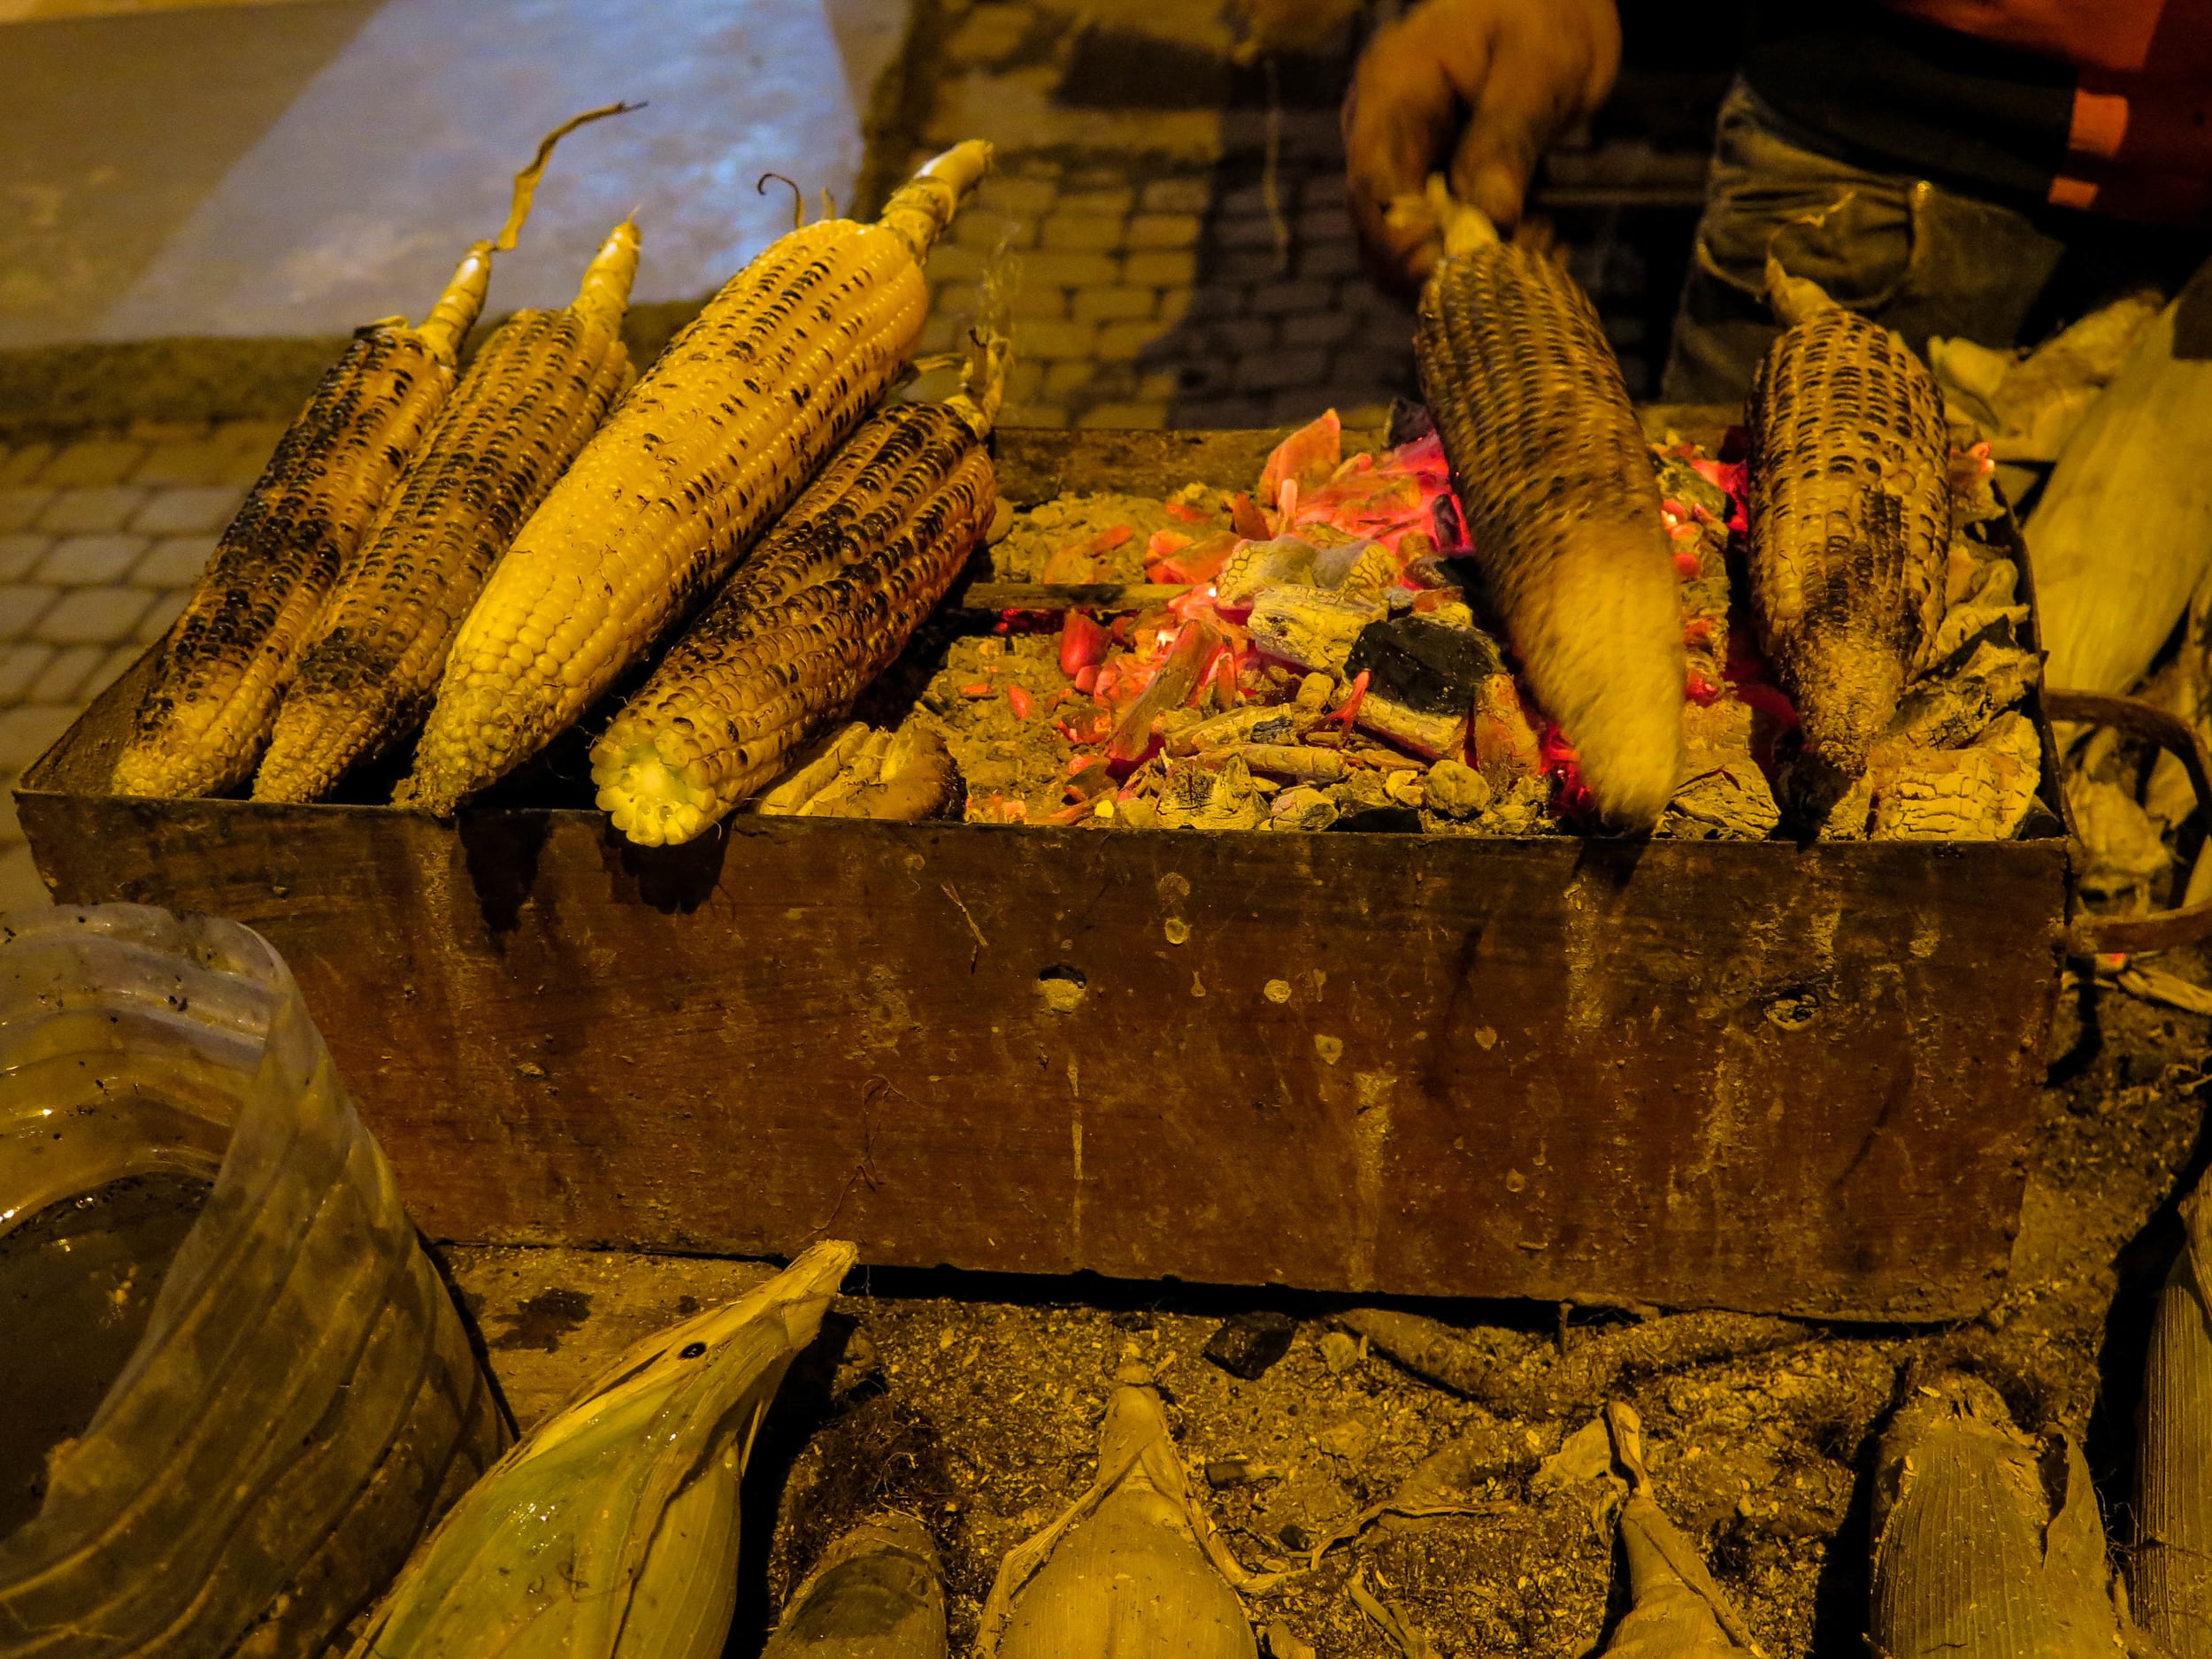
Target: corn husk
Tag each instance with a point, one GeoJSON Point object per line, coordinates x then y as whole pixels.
{"type": "Point", "coordinates": [876, 1593]}
{"type": "Point", "coordinates": [2171, 1568]}
{"type": "Point", "coordinates": [610, 1531]}
{"type": "Point", "coordinates": [1676, 1611]}
{"type": "Point", "coordinates": [1975, 1558]}
{"type": "Point", "coordinates": [1134, 1566]}
{"type": "Point", "coordinates": [2122, 535]}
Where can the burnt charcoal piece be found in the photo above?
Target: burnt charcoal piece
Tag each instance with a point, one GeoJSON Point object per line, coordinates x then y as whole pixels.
{"type": "Point", "coordinates": [1251, 1342]}
{"type": "Point", "coordinates": [1428, 666]}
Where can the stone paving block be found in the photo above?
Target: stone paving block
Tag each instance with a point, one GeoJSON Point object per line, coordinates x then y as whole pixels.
{"type": "Point", "coordinates": [21, 888]}
{"type": "Point", "coordinates": [1056, 268]}
{"type": "Point", "coordinates": [94, 616]}
{"type": "Point", "coordinates": [173, 561]}
{"type": "Point", "coordinates": [1240, 336]}
{"type": "Point", "coordinates": [207, 460]}
{"type": "Point", "coordinates": [1111, 203]}
{"type": "Point", "coordinates": [144, 430]}
{"type": "Point", "coordinates": [1164, 230]}
{"type": "Point", "coordinates": [67, 677]}
{"type": "Point", "coordinates": [20, 506]}
{"type": "Point", "coordinates": [940, 333]}
{"type": "Point", "coordinates": [1275, 370]}
{"type": "Point", "coordinates": [1278, 299]}
{"type": "Point", "coordinates": [990, 33]}
{"type": "Point", "coordinates": [28, 729]}
{"type": "Point", "coordinates": [1209, 377]}
{"type": "Point", "coordinates": [1033, 415]}
{"type": "Point", "coordinates": [1020, 198]}
{"type": "Point", "coordinates": [1177, 195]}
{"type": "Point", "coordinates": [1175, 306]}
{"type": "Point", "coordinates": [1062, 377]}
{"type": "Point", "coordinates": [1159, 269]}
{"type": "Point", "coordinates": [1234, 265]}
{"type": "Point", "coordinates": [19, 554]}
{"type": "Point", "coordinates": [1246, 200]}
{"type": "Point", "coordinates": [87, 561]}
{"type": "Point", "coordinates": [257, 438]}
{"type": "Point", "coordinates": [1114, 305]}
{"type": "Point", "coordinates": [1223, 413]}
{"type": "Point", "coordinates": [112, 666]}
{"type": "Point", "coordinates": [1122, 343]}
{"type": "Point", "coordinates": [1143, 415]}
{"type": "Point", "coordinates": [957, 299]}
{"type": "Point", "coordinates": [1318, 328]}
{"type": "Point", "coordinates": [91, 462]}
{"type": "Point", "coordinates": [19, 665]}
{"type": "Point", "coordinates": [1053, 341]}
{"type": "Point", "coordinates": [1081, 233]}
{"type": "Point", "coordinates": [1324, 188]}
{"type": "Point", "coordinates": [992, 231]}
{"type": "Point", "coordinates": [163, 610]}
{"type": "Point", "coordinates": [1328, 260]}
{"type": "Point", "coordinates": [1246, 232]}
{"type": "Point", "coordinates": [87, 511]}
{"type": "Point", "coordinates": [1035, 300]}
{"type": "Point", "coordinates": [21, 606]}
{"type": "Point", "coordinates": [1158, 387]}
{"type": "Point", "coordinates": [194, 511]}
{"type": "Point", "coordinates": [1024, 380]}
{"type": "Point", "coordinates": [950, 261]}
{"type": "Point", "coordinates": [23, 463]}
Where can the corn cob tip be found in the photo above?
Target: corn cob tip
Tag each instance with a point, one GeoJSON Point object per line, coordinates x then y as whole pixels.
{"type": "Point", "coordinates": [919, 209]}
{"type": "Point", "coordinates": [645, 798]}
{"type": "Point", "coordinates": [1794, 299]}
{"type": "Point", "coordinates": [460, 306]}
{"type": "Point", "coordinates": [604, 293]}
{"type": "Point", "coordinates": [984, 386]}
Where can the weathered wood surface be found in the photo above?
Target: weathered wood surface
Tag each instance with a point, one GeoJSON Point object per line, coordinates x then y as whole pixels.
{"type": "Point", "coordinates": [1751, 1076]}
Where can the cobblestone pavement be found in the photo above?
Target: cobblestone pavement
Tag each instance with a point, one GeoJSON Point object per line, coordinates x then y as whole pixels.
{"type": "Point", "coordinates": [100, 542]}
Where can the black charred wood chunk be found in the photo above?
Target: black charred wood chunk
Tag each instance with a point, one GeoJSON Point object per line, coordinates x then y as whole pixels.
{"type": "Point", "coordinates": [1251, 1342]}
{"type": "Point", "coordinates": [1429, 666]}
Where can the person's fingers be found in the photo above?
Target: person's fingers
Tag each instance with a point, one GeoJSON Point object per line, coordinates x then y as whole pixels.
{"type": "Point", "coordinates": [1408, 95]}
{"type": "Point", "coordinates": [1537, 83]}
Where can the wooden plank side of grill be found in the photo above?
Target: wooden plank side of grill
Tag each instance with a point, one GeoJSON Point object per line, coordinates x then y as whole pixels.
{"type": "Point", "coordinates": [1699, 1074]}
{"type": "Point", "coordinates": [1761, 1076]}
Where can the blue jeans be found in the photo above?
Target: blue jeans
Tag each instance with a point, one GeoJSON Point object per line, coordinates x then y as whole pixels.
{"type": "Point", "coordinates": [1910, 254]}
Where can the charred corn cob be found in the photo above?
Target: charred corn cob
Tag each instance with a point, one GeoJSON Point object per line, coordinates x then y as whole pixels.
{"type": "Point", "coordinates": [2170, 1569]}
{"type": "Point", "coordinates": [1563, 506]}
{"type": "Point", "coordinates": [717, 439]}
{"type": "Point", "coordinates": [228, 658]}
{"type": "Point", "coordinates": [206, 713]}
{"type": "Point", "coordinates": [827, 601]}
{"type": "Point", "coordinates": [536, 392]}
{"type": "Point", "coordinates": [1850, 521]}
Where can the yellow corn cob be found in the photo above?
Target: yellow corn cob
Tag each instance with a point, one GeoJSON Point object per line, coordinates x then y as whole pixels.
{"type": "Point", "coordinates": [827, 601]}
{"type": "Point", "coordinates": [1562, 505]}
{"type": "Point", "coordinates": [717, 439]}
{"type": "Point", "coordinates": [535, 394]}
{"type": "Point", "coordinates": [206, 713]}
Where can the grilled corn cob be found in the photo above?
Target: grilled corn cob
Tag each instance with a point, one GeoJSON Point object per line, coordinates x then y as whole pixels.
{"type": "Point", "coordinates": [538, 389]}
{"type": "Point", "coordinates": [2171, 1567]}
{"type": "Point", "coordinates": [206, 713]}
{"type": "Point", "coordinates": [228, 657]}
{"type": "Point", "coordinates": [1850, 517]}
{"type": "Point", "coordinates": [610, 1530]}
{"type": "Point", "coordinates": [1561, 504]}
{"type": "Point", "coordinates": [717, 439]}
{"type": "Point", "coordinates": [828, 599]}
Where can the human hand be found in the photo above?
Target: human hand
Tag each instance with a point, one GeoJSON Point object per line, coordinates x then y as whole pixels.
{"type": "Point", "coordinates": [1485, 83]}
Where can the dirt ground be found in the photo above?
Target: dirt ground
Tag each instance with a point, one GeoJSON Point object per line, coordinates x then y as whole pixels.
{"type": "Point", "coordinates": [975, 1403]}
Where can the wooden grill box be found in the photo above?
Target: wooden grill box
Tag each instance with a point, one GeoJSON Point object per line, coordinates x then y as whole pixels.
{"type": "Point", "coordinates": [1755, 1076]}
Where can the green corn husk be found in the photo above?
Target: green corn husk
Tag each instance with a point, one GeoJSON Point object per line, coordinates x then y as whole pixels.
{"type": "Point", "coordinates": [610, 1531]}
{"type": "Point", "coordinates": [876, 1593]}
{"type": "Point", "coordinates": [2171, 1569]}
{"type": "Point", "coordinates": [1985, 1548]}
{"type": "Point", "coordinates": [1134, 1566]}
{"type": "Point", "coordinates": [1676, 1611]}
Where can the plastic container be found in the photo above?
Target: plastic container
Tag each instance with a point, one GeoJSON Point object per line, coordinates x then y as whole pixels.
{"type": "Point", "coordinates": [303, 1401]}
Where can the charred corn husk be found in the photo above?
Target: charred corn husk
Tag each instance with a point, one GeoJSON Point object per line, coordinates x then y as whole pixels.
{"type": "Point", "coordinates": [611, 1528]}
{"type": "Point", "coordinates": [1133, 1566]}
{"type": "Point", "coordinates": [1850, 517]}
{"type": "Point", "coordinates": [536, 392]}
{"type": "Point", "coordinates": [876, 1594]}
{"type": "Point", "coordinates": [1976, 1556]}
{"type": "Point", "coordinates": [206, 713]}
{"type": "Point", "coordinates": [2171, 1567]}
{"type": "Point", "coordinates": [1676, 1611]}
{"type": "Point", "coordinates": [828, 599]}
{"type": "Point", "coordinates": [1563, 506]}
{"type": "Point", "coordinates": [721, 434]}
